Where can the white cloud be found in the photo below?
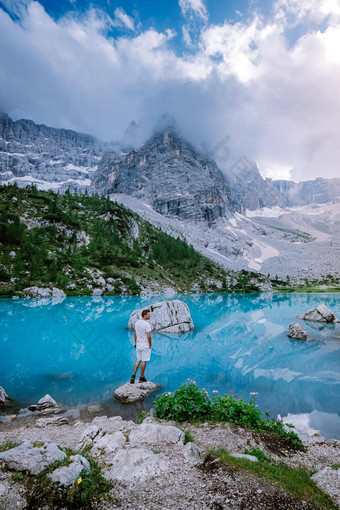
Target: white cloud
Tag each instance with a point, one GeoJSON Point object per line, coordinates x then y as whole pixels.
{"type": "Point", "coordinates": [122, 19]}
{"type": "Point", "coordinates": [193, 7]}
{"type": "Point", "coordinates": [186, 36]}
{"type": "Point", "coordinates": [279, 104]}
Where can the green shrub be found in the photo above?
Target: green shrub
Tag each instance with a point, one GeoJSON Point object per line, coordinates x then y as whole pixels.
{"type": "Point", "coordinates": [141, 416]}
{"type": "Point", "coordinates": [257, 452]}
{"type": "Point", "coordinates": [188, 437]}
{"type": "Point", "coordinates": [90, 487]}
{"type": "Point", "coordinates": [190, 403]}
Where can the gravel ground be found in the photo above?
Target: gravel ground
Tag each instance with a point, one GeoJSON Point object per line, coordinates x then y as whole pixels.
{"type": "Point", "coordinates": [206, 485]}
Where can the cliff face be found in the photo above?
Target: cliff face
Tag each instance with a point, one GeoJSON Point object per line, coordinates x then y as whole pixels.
{"type": "Point", "coordinates": [49, 157]}
{"type": "Point", "coordinates": [169, 175]}
{"type": "Point", "coordinates": [319, 191]}
{"type": "Point", "coordinates": [177, 180]}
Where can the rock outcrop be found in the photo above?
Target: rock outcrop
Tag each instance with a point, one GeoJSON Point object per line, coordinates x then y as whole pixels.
{"type": "Point", "coordinates": [59, 159]}
{"type": "Point", "coordinates": [297, 332]}
{"type": "Point", "coordinates": [328, 479]}
{"type": "Point", "coordinates": [4, 398]}
{"type": "Point", "coordinates": [166, 317]}
{"type": "Point", "coordinates": [170, 175]}
{"type": "Point", "coordinates": [32, 456]}
{"type": "Point", "coordinates": [154, 433]}
{"type": "Point", "coordinates": [46, 405]}
{"type": "Point", "coordinates": [129, 393]}
{"type": "Point", "coordinates": [67, 475]}
{"type": "Point", "coordinates": [41, 292]}
{"type": "Point", "coordinates": [136, 464]}
{"type": "Point", "coordinates": [319, 314]}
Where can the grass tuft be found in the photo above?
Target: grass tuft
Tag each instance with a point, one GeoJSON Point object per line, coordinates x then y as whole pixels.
{"type": "Point", "coordinates": [295, 481]}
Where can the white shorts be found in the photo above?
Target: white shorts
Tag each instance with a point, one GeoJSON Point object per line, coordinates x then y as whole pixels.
{"type": "Point", "coordinates": [143, 354]}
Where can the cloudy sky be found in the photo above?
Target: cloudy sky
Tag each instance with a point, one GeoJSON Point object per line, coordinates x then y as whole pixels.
{"type": "Point", "coordinates": [255, 78]}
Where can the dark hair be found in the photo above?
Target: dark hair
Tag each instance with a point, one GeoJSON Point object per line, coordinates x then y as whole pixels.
{"type": "Point", "coordinates": [145, 312]}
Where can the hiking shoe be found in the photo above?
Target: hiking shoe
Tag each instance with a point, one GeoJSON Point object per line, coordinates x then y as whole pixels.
{"type": "Point", "coordinates": [142, 379]}
{"type": "Point", "coordinates": [132, 380]}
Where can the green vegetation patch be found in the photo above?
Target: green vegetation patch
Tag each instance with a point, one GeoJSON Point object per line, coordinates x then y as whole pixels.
{"type": "Point", "coordinates": [295, 481]}
{"type": "Point", "coordinates": [49, 239]}
{"type": "Point", "coordinates": [86, 491]}
{"type": "Point", "coordinates": [8, 445]}
{"type": "Point", "coordinates": [188, 437]}
{"type": "Point", "coordinates": [190, 403]}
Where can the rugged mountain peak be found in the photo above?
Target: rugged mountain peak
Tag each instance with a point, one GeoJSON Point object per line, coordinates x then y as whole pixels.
{"type": "Point", "coordinates": [166, 123]}
{"type": "Point", "coordinates": [51, 158]}
{"type": "Point", "coordinates": [167, 173]}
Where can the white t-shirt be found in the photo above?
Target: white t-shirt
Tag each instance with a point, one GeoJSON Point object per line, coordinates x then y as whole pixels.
{"type": "Point", "coordinates": [142, 327]}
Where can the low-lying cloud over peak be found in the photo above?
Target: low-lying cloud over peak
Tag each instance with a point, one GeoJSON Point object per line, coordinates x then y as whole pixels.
{"type": "Point", "coordinates": [269, 83]}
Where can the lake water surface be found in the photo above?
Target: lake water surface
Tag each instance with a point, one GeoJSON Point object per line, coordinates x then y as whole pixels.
{"type": "Point", "coordinates": [79, 351]}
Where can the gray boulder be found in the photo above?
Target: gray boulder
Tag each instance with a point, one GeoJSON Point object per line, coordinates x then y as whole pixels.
{"type": "Point", "coordinates": [166, 317]}
{"type": "Point", "coordinates": [154, 433]}
{"type": "Point", "coordinates": [44, 292]}
{"type": "Point", "coordinates": [319, 314]}
{"type": "Point", "coordinates": [297, 332]}
{"type": "Point", "coordinates": [109, 443]}
{"type": "Point", "coordinates": [57, 420]}
{"type": "Point", "coordinates": [129, 393]}
{"type": "Point", "coordinates": [32, 456]}
{"type": "Point", "coordinates": [252, 458]}
{"type": "Point", "coordinates": [136, 464]}
{"type": "Point", "coordinates": [97, 292]}
{"type": "Point", "coordinates": [90, 433]}
{"type": "Point", "coordinates": [46, 405]}
{"type": "Point", "coordinates": [4, 398]}
{"type": "Point", "coordinates": [58, 293]}
{"type": "Point", "coordinates": [67, 475]}
{"type": "Point", "coordinates": [328, 480]}
{"type": "Point", "coordinates": [192, 453]}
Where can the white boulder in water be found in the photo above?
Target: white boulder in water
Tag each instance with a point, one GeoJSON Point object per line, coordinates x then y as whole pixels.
{"type": "Point", "coordinates": [319, 314]}
{"type": "Point", "coordinates": [166, 317]}
{"type": "Point", "coordinates": [129, 393]}
{"type": "Point", "coordinates": [297, 332]}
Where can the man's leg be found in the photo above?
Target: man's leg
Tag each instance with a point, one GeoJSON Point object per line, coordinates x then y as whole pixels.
{"type": "Point", "coordinates": [136, 367]}
{"type": "Point", "coordinates": [142, 370]}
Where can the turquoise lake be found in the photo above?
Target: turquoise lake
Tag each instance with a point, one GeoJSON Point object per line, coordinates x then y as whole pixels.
{"type": "Point", "coordinates": [79, 351]}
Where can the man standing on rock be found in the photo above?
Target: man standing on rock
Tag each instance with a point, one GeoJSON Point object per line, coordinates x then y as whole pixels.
{"type": "Point", "coordinates": [142, 345]}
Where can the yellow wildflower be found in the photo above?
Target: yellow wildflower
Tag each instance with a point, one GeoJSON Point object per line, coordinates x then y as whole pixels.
{"type": "Point", "coordinates": [79, 480]}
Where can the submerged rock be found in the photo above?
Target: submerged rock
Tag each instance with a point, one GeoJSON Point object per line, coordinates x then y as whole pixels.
{"type": "Point", "coordinates": [166, 317]}
{"type": "Point", "coordinates": [319, 314]}
{"type": "Point", "coordinates": [129, 393]}
{"type": "Point", "coordinates": [297, 332]}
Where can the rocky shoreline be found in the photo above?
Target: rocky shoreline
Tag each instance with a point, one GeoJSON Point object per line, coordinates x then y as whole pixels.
{"type": "Point", "coordinates": [149, 466]}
